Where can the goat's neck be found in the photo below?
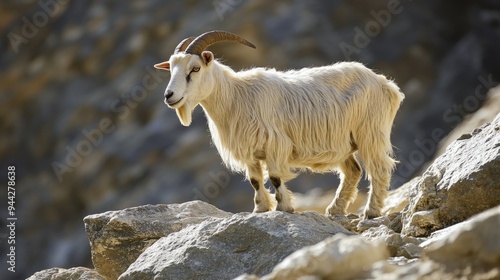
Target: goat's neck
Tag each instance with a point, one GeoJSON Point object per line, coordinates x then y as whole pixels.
{"type": "Point", "coordinates": [218, 105]}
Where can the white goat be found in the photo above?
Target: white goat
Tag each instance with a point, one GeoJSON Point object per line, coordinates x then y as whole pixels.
{"type": "Point", "coordinates": [322, 119]}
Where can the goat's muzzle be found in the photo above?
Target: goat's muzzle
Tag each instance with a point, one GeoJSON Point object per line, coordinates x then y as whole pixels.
{"type": "Point", "coordinates": [169, 102]}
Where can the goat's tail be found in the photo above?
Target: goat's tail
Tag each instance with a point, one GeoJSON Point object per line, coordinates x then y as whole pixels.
{"type": "Point", "coordinates": [376, 153]}
{"type": "Point", "coordinates": [392, 91]}
{"type": "Point", "coordinates": [390, 88]}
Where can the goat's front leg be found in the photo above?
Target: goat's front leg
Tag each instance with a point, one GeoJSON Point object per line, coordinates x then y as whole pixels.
{"type": "Point", "coordinates": [263, 200]}
{"type": "Point", "coordinates": [283, 195]}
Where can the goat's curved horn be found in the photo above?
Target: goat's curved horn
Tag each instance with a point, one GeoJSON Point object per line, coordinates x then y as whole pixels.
{"type": "Point", "coordinates": [183, 45]}
{"type": "Point", "coordinates": [209, 38]}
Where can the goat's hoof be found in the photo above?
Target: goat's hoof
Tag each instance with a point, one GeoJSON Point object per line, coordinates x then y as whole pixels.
{"type": "Point", "coordinates": [333, 210]}
{"type": "Point", "coordinates": [285, 209]}
{"type": "Point", "coordinates": [261, 210]}
{"type": "Point", "coordinates": [370, 214]}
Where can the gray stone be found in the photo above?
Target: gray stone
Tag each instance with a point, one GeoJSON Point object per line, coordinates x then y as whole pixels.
{"type": "Point", "coordinates": [476, 241]}
{"type": "Point", "coordinates": [413, 240]}
{"type": "Point", "coordinates": [75, 273]}
{"type": "Point", "coordinates": [369, 223]}
{"type": "Point", "coordinates": [225, 247]}
{"type": "Point", "coordinates": [409, 251]}
{"type": "Point", "coordinates": [338, 257]}
{"type": "Point", "coordinates": [352, 216]}
{"type": "Point", "coordinates": [464, 181]}
{"type": "Point", "coordinates": [382, 233]}
{"type": "Point", "coordinates": [423, 222]}
{"type": "Point", "coordinates": [396, 223]}
{"type": "Point", "coordinates": [469, 250]}
{"type": "Point", "coordinates": [134, 229]}
{"type": "Point", "coordinates": [393, 215]}
{"type": "Point", "coordinates": [342, 220]}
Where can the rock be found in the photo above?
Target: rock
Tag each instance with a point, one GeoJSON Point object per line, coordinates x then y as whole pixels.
{"type": "Point", "coordinates": [398, 246]}
{"type": "Point", "coordinates": [469, 250]}
{"type": "Point", "coordinates": [76, 273]}
{"type": "Point", "coordinates": [240, 243]}
{"type": "Point", "coordinates": [352, 216]}
{"type": "Point", "coordinates": [382, 233]}
{"type": "Point", "coordinates": [369, 223]}
{"type": "Point", "coordinates": [393, 215]}
{"type": "Point", "coordinates": [338, 257]}
{"type": "Point", "coordinates": [464, 181]}
{"type": "Point", "coordinates": [413, 240]}
{"type": "Point", "coordinates": [404, 269]}
{"type": "Point", "coordinates": [349, 221]}
{"type": "Point", "coordinates": [343, 221]}
{"type": "Point", "coordinates": [133, 230]}
{"type": "Point", "coordinates": [477, 241]}
{"type": "Point", "coordinates": [396, 223]}
{"type": "Point", "coordinates": [426, 221]}
{"type": "Point", "coordinates": [440, 234]}
{"type": "Point", "coordinates": [409, 251]}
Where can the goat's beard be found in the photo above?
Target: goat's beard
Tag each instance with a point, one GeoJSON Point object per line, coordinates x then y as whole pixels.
{"type": "Point", "coordinates": [184, 113]}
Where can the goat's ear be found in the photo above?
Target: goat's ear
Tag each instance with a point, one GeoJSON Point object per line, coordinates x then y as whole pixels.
{"type": "Point", "coordinates": [163, 65]}
{"type": "Point", "coordinates": [207, 57]}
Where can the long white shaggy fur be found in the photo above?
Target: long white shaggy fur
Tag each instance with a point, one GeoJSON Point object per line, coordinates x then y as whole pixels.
{"type": "Point", "coordinates": [323, 119]}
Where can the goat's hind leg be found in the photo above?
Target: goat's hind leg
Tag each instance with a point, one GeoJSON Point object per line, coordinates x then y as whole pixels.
{"type": "Point", "coordinates": [379, 167]}
{"type": "Point", "coordinates": [263, 201]}
{"type": "Point", "coordinates": [380, 178]}
{"type": "Point", "coordinates": [347, 191]}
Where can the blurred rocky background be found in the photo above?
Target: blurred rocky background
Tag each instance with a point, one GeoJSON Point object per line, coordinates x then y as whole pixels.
{"type": "Point", "coordinates": [83, 121]}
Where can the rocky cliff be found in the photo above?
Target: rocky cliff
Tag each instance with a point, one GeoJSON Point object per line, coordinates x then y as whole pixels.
{"type": "Point", "coordinates": [447, 229]}
{"type": "Point", "coordinates": [82, 118]}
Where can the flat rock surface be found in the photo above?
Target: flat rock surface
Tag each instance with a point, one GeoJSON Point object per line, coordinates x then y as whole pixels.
{"type": "Point", "coordinates": [224, 248]}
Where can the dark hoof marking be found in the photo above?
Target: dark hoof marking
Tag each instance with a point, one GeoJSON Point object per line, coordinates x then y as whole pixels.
{"type": "Point", "coordinates": [255, 184]}
{"type": "Point", "coordinates": [275, 181]}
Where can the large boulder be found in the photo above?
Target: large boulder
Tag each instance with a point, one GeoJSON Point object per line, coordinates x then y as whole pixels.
{"type": "Point", "coordinates": [225, 247]}
{"type": "Point", "coordinates": [133, 230]}
{"type": "Point", "coordinates": [339, 257]}
{"type": "Point", "coordinates": [462, 182]}
{"type": "Point", "coordinates": [474, 242]}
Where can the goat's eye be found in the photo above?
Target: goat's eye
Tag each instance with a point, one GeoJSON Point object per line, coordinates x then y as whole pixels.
{"type": "Point", "coordinates": [196, 69]}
